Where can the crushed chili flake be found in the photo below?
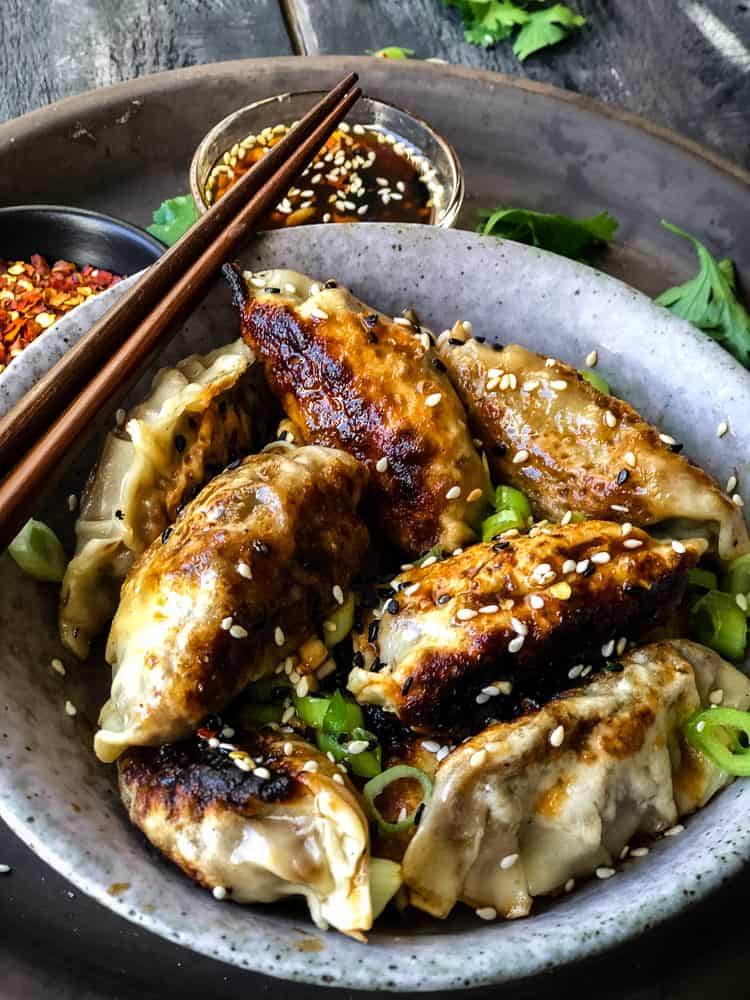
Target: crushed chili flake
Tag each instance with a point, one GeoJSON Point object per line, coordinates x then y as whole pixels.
{"type": "Point", "coordinates": [34, 295]}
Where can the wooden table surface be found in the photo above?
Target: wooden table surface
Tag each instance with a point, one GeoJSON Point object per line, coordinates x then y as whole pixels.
{"type": "Point", "coordinates": [681, 63]}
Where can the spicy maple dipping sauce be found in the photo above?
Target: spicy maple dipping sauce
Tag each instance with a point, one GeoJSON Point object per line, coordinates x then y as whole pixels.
{"type": "Point", "coordinates": [362, 174]}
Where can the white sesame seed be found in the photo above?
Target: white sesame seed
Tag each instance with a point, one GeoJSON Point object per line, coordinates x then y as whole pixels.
{"type": "Point", "coordinates": [318, 313]}
{"type": "Point", "coordinates": [258, 282]}
{"type": "Point", "coordinates": [491, 691]}
{"type": "Point", "coordinates": [242, 764]}
{"type": "Point", "coordinates": [430, 746]}
{"type": "Point", "coordinates": [478, 758]}
{"type": "Point", "coordinates": [570, 885]}
{"type": "Point", "coordinates": [630, 459]}
{"type": "Point", "coordinates": [569, 566]}
{"type": "Point", "coordinates": [429, 561]}
{"type": "Point", "coordinates": [716, 697]}
{"type": "Point", "coordinates": [667, 439]}
{"type": "Point", "coordinates": [262, 772]}
{"type": "Point", "coordinates": [567, 517]}
{"type": "Point", "coordinates": [558, 384]}
{"type": "Point", "coordinates": [582, 566]}
{"type": "Point", "coordinates": [244, 570]}
{"type": "Point", "coordinates": [639, 852]}
{"type": "Point", "coordinates": [338, 594]}
{"type": "Point", "coordinates": [508, 861]}
{"type": "Point", "coordinates": [290, 289]}
{"type": "Point", "coordinates": [722, 429]}
{"type": "Point", "coordinates": [491, 609]}
{"type": "Point", "coordinates": [238, 632]}
{"type": "Point", "coordinates": [741, 601]}
{"type": "Point", "coordinates": [608, 648]}
{"type": "Point", "coordinates": [678, 547]}
{"type": "Point", "coordinates": [219, 892]}
{"type": "Point", "coordinates": [402, 321]}
{"type": "Point", "coordinates": [278, 636]}
{"type": "Point", "coordinates": [621, 644]}
{"type": "Point", "coordinates": [619, 508]}
{"type": "Point", "coordinates": [591, 359]}
{"type": "Point", "coordinates": [600, 558]}
{"type": "Point", "coordinates": [357, 746]}
{"type": "Point", "coordinates": [315, 288]}
{"type": "Point", "coordinates": [737, 500]}
{"type": "Point", "coordinates": [550, 363]}
{"type": "Point", "coordinates": [474, 495]}
{"type": "Point", "coordinates": [214, 742]}
{"type": "Point", "coordinates": [520, 457]}
{"type": "Point", "coordinates": [70, 708]}
{"type": "Point", "coordinates": [411, 589]}
{"type": "Point", "coordinates": [626, 528]}
{"type": "Point", "coordinates": [557, 736]}
{"type": "Point", "coordinates": [482, 698]}
{"type": "Point", "coordinates": [700, 726]}
{"type": "Point", "coordinates": [120, 417]}
{"type": "Point", "coordinates": [632, 543]}
{"type": "Point", "coordinates": [515, 644]}
{"type": "Point", "coordinates": [442, 753]}
{"type": "Point", "coordinates": [731, 484]}
{"type": "Point", "coordinates": [466, 326]}
{"type": "Point", "coordinates": [453, 493]}
{"type": "Point", "coordinates": [433, 399]}
{"type": "Point", "coordinates": [303, 687]}
{"type": "Point", "coordinates": [575, 671]}
{"type": "Point", "coordinates": [610, 419]}
{"type": "Point", "coordinates": [466, 614]}
{"type": "Point", "coordinates": [605, 872]}
{"type": "Point", "coordinates": [586, 671]}
{"type": "Point", "coordinates": [287, 715]}
{"type": "Point", "coordinates": [338, 778]}
{"type": "Point", "coordinates": [493, 383]}
{"type": "Point", "coordinates": [57, 666]}
{"type": "Point", "coordinates": [310, 766]}
{"type": "Point", "coordinates": [288, 749]}
{"type": "Point", "coordinates": [674, 831]}
{"type": "Point", "coordinates": [624, 852]}
{"type": "Point", "coordinates": [72, 502]}
{"type": "Point", "coordinates": [530, 385]}
{"type": "Point", "coordinates": [505, 687]}
{"type": "Point", "coordinates": [486, 913]}
{"type": "Point", "coordinates": [4, 869]}
{"type": "Point", "coordinates": [381, 465]}
{"type": "Point", "coordinates": [518, 626]}
{"type": "Point", "coordinates": [226, 623]}
{"type": "Point", "coordinates": [536, 602]}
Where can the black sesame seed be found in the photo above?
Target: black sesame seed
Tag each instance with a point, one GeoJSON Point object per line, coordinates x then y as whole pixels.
{"type": "Point", "coordinates": [166, 533]}
{"type": "Point", "coordinates": [443, 599]}
{"type": "Point", "coordinates": [622, 476]}
{"type": "Point", "coordinates": [372, 319]}
{"type": "Point", "coordinates": [385, 592]}
{"type": "Point", "coordinates": [261, 548]}
{"type": "Point", "coordinates": [676, 448]}
{"type": "Point", "coordinates": [499, 546]}
{"type": "Point", "coordinates": [272, 291]}
{"type": "Point", "coordinates": [407, 685]}
{"type": "Point", "coordinates": [455, 342]}
{"type": "Point", "coordinates": [392, 607]}
{"type": "Point", "coordinates": [498, 347]}
{"type": "Point", "coordinates": [437, 363]}
{"type": "Point", "coordinates": [377, 665]}
{"type": "Point", "coordinates": [589, 570]}
{"type": "Point", "coordinates": [418, 814]}
{"type": "Point", "coordinates": [119, 515]}
{"type": "Point", "coordinates": [372, 630]}
{"type": "Point", "coordinates": [358, 660]}
{"type": "Point", "coordinates": [235, 464]}
{"type": "Point", "coordinates": [330, 284]}
{"type": "Point", "coordinates": [480, 340]}
{"type": "Point", "coordinates": [180, 443]}
{"type": "Point", "coordinates": [499, 450]}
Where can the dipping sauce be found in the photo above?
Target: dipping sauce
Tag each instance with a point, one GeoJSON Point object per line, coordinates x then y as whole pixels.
{"type": "Point", "coordinates": [34, 295]}
{"type": "Point", "coordinates": [362, 174]}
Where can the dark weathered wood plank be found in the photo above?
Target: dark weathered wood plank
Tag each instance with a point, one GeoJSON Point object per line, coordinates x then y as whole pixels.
{"type": "Point", "coordinates": [54, 48]}
{"type": "Point", "coordinates": [648, 57]}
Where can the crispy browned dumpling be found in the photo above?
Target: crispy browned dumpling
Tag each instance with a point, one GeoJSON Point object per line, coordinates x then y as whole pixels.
{"type": "Point", "coordinates": [247, 571]}
{"type": "Point", "coordinates": [550, 433]}
{"type": "Point", "coordinates": [494, 630]}
{"type": "Point", "coordinates": [275, 819]}
{"type": "Point", "coordinates": [352, 378]}
{"type": "Point", "coordinates": [524, 806]}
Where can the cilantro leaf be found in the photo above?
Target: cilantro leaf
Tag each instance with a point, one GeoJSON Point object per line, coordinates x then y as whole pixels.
{"type": "Point", "coordinates": [709, 302]}
{"type": "Point", "coordinates": [391, 52]}
{"type": "Point", "coordinates": [573, 238]}
{"type": "Point", "coordinates": [546, 27]}
{"type": "Point", "coordinates": [173, 218]}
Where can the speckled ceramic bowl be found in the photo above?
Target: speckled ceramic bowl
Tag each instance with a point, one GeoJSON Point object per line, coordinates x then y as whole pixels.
{"type": "Point", "coordinates": [62, 802]}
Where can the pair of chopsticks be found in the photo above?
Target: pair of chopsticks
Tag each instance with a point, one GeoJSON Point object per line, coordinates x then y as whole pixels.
{"type": "Point", "coordinates": [54, 417]}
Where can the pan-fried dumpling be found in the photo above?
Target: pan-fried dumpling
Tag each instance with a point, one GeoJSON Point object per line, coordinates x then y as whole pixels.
{"type": "Point", "coordinates": [199, 417]}
{"type": "Point", "coordinates": [353, 378]}
{"type": "Point", "coordinates": [550, 433]}
{"type": "Point", "coordinates": [496, 629]}
{"type": "Point", "coordinates": [275, 819]}
{"type": "Point", "coordinates": [525, 806]}
{"type": "Point", "coordinates": [249, 569]}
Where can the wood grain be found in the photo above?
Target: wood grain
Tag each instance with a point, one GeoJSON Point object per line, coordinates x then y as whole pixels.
{"type": "Point", "coordinates": [54, 48]}
{"type": "Point", "coordinates": [648, 56]}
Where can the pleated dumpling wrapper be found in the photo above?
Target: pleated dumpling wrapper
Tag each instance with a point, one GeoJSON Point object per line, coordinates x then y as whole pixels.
{"type": "Point", "coordinates": [275, 819]}
{"type": "Point", "coordinates": [569, 447]}
{"type": "Point", "coordinates": [235, 585]}
{"type": "Point", "coordinates": [524, 806]}
{"type": "Point", "coordinates": [351, 377]}
{"type": "Point", "coordinates": [200, 416]}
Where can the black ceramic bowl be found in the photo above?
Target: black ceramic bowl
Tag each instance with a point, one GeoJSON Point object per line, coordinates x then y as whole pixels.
{"type": "Point", "coordinates": [77, 235]}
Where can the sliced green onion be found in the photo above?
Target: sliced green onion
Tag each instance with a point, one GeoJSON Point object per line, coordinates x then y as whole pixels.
{"type": "Point", "coordinates": [260, 715]}
{"type": "Point", "coordinates": [377, 786]}
{"type": "Point", "coordinates": [509, 498]}
{"type": "Point", "coordinates": [343, 715]}
{"type": "Point", "coordinates": [365, 765]}
{"type": "Point", "coordinates": [703, 578]}
{"type": "Point", "coordinates": [37, 550]}
{"type": "Point", "coordinates": [435, 552]}
{"type": "Point", "coordinates": [385, 881]}
{"type": "Point", "coordinates": [339, 624]}
{"type": "Point", "coordinates": [496, 524]}
{"type": "Point", "coordinates": [718, 622]}
{"type": "Point", "coordinates": [577, 516]}
{"type": "Point", "coordinates": [700, 733]}
{"type": "Point", "coordinates": [593, 378]}
{"type": "Point", "coordinates": [513, 510]}
{"type": "Point", "coordinates": [311, 710]}
{"type": "Point", "coordinates": [737, 577]}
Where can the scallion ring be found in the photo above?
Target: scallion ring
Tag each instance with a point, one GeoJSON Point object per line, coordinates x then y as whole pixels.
{"type": "Point", "coordinates": [700, 732]}
{"type": "Point", "coordinates": [377, 785]}
{"type": "Point", "coordinates": [718, 622]}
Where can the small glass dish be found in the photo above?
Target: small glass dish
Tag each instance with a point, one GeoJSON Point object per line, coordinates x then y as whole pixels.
{"type": "Point", "coordinates": [418, 140]}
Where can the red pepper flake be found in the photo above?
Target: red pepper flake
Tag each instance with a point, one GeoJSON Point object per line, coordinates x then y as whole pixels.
{"type": "Point", "coordinates": [33, 296]}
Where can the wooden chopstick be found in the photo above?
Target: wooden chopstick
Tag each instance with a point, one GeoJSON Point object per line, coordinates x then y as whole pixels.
{"type": "Point", "coordinates": [33, 414]}
{"type": "Point", "coordinates": [21, 489]}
